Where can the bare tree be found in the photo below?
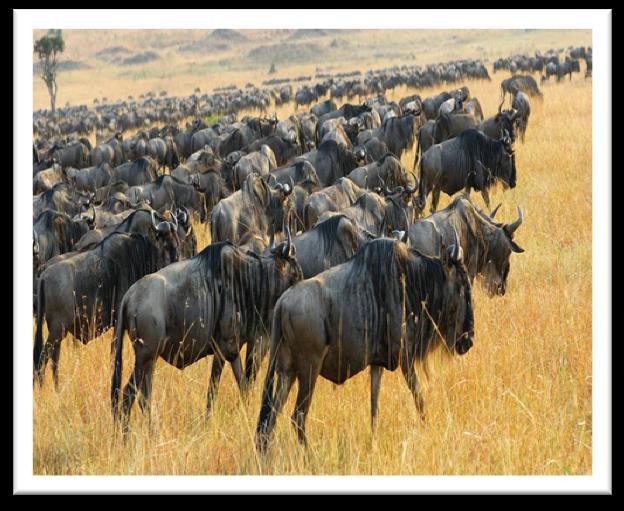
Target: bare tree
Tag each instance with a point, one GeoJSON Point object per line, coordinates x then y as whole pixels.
{"type": "Point", "coordinates": [47, 48]}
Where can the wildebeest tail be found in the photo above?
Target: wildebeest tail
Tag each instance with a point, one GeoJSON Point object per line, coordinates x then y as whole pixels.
{"type": "Point", "coordinates": [39, 334]}
{"type": "Point", "coordinates": [119, 334]}
{"type": "Point", "coordinates": [267, 392]}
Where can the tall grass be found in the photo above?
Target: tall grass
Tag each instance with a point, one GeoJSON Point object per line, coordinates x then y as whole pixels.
{"type": "Point", "coordinates": [518, 403]}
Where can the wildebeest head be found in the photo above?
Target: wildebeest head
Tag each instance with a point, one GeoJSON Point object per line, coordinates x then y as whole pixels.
{"type": "Point", "coordinates": [84, 216]}
{"type": "Point", "coordinates": [508, 160]}
{"type": "Point", "coordinates": [287, 269]}
{"type": "Point", "coordinates": [500, 246]}
{"type": "Point", "coordinates": [458, 330]}
{"type": "Point", "coordinates": [167, 233]}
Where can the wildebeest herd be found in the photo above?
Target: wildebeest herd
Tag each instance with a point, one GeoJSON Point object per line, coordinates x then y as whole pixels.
{"type": "Point", "coordinates": [321, 255]}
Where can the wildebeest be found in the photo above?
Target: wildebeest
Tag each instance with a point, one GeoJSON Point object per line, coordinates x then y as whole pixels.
{"type": "Point", "coordinates": [524, 83]}
{"type": "Point", "coordinates": [110, 152]}
{"type": "Point", "coordinates": [487, 245]}
{"type": "Point", "coordinates": [329, 243]}
{"type": "Point", "coordinates": [80, 295]}
{"type": "Point", "coordinates": [398, 133]}
{"type": "Point", "coordinates": [379, 215]}
{"type": "Point", "coordinates": [470, 160]}
{"type": "Point", "coordinates": [72, 155]}
{"type": "Point", "coordinates": [255, 207]}
{"type": "Point", "coordinates": [342, 194]}
{"type": "Point", "coordinates": [387, 171]}
{"type": "Point", "coordinates": [386, 307]}
{"type": "Point", "coordinates": [142, 171]}
{"type": "Point", "coordinates": [522, 105]}
{"type": "Point", "coordinates": [283, 149]}
{"type": "Point", "coordinates": [61, 197]}
{"type": "Point", "coordinates": [57, 233]}
{"type": "Point", "coordinates": [167, 192]}
{"type": "Point", "coordinates": [431, 105]}
{"type": "Point", "coordinates": [90, 179]}
{"type": "Point", "coordinates": [259, 162]}
{"type": "Point", "coordinates": [164, 151]}
{"type": "Point", "coordinates": [294, 174]}
{"type": "Point", "coordinates": [142, 221]}
{"type": "Point", "coordinates": [210, 304]}
{"type": "Point", "coordinates": [450, 125]}
{"type": "Point", "coordinates": [495, 127]}
{"type": "Point", "coordinates": [46, 179]}
{"type": "Point", "coordinates": [332, 161]}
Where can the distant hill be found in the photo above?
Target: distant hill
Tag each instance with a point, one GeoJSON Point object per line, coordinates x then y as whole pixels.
{"type": "Point", "coordinates": [140, 58]}
{"type": "Point", "coordinates": [220, 39]}
{"type": "Point", "coordinates": [304, 33]}
{"type": "Point", "coordinates": [64, 65]}
{"type": "Point", "coordinates": [285, 52]}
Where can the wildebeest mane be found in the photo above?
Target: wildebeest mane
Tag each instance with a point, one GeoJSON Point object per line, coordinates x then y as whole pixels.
{"type": "Point", "coordinates": [477, 149]}
{"type": "Point", "coordinates": [243, 276]}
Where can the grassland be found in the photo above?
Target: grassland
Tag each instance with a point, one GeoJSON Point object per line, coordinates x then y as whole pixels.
{"type": "Point", "coordinates": [518, 403]}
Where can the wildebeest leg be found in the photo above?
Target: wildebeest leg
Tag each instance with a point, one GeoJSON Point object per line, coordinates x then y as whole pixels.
{"type": "Point", "coordinates": [143, 368]}
{"type": "Point", "coordinates": [375, 372]}
{"type": "Point", "coordinates": [254, 357]}
{"type": "Point", "coordinates": [239, 375]}
{"type": "Point", "coordinates": [486, 197]}
{"type": "Point", "coordinates": [51, 346]}
{"type": "Point", "coordinates": [213, 385]}
{"type": "Point", "coordinates": [307, 380]}
{"type": "Point", "coordinates": [56, 354]}
{"type": "Point", "coordinates": [407, 368]}
{"type": "Point", "coordinates": [435, 198]}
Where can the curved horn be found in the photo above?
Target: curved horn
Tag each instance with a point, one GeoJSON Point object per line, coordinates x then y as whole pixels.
{"type": "Point", "coordinates": [406, 221]}
{"type": "Point", "coordinates": [511, 228]}
{"type": "Point", "coordinates": [455, 250]}
{"type": "Point", "coordinates": [153, 213]}
{"type": "Point", "coordinates": [501, 105]}
{"type": "Point", "coordinates": [493, 213]}
{"type": "Point", "coordinates": [286, 251]}
{"type": "Point", "coordinates": [175, 219]}
{"type": "Point", "coordinates": [409, 189]}
{"type": "Point", "coordinates": [274, 179]}
{"type": "Point", "coordinates": [92, 219]}
{"type": "Point", "coordinates": [187, 215]}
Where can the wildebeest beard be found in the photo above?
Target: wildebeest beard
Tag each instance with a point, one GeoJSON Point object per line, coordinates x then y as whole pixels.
{"type": "Point", "coordinates": [393, 285]}
{"type": "Point", "coordinates": [481, 154]}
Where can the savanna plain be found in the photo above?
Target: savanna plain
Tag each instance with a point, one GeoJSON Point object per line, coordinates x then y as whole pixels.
{"type": "Point", "coordinates": [518, 403]}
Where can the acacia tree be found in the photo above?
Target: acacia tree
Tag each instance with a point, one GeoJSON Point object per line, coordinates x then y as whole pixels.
{"type": "Point", "coordinates": [47, 48]}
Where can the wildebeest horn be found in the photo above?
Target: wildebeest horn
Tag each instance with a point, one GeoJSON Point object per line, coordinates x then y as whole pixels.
{"type": "Point", "coordinates": [455, 250]}
{"type": "Point", "coordinates": [406, 220]}
{"type": "Point", "coordinates": [274, 179]}
{"type": "Point", "coordinates": [91, 220]}
{"type": "Point", "coordinates": [400, 235]}
{"type": "Point", "coordinates": [186, 214]}
{"type": "Point", "coordinates": [409, 189]}
{"type": "Point", "coordinates": [511, 228]}
{"type": "Point", "coordinates": [286, 250]}
{"type": "Point", "coordinates": [153, 213]}
{"type": "Point", "coordinates": [493, 213]}
{"type": "Point", "coordinates": [35, 241]}
{"type": "Point", "coordinates": [501, 105]}
{"type": "Point", "coordinates": [175, 219]}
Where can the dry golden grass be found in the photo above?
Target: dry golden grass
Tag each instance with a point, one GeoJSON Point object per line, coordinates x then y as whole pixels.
{"type": "Point", "coordinates": [518, 403]}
